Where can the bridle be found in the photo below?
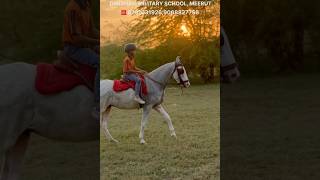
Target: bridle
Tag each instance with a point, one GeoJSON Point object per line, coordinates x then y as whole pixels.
{"type": "Point", "coordinates": [228, 67]}
{"type": "Point", "coordinates": [224, 69]}
{"type": "Point", "coordinates": [180, 72]}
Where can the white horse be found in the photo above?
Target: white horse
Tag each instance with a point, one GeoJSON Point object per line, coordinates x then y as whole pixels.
{"type": "Point", "coordinates": [156, 82]}
{"type": "Point", "coordinates": [229, 68]}
{"type": "Point", "coordinates": [65, 116]}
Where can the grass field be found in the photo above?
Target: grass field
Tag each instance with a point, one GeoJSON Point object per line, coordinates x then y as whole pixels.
{"type": "Point", "coordinates": [270, 128]}
{"type": "Point", "coordinates": [193, 155]}
{"type": "Point", "coordinates": [55, 160]}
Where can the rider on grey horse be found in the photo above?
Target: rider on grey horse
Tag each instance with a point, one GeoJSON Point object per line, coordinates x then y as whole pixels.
{"type": "Point", "coordinates": [131, 72]}
{"type": "Point", "coordinates": [81, 40]}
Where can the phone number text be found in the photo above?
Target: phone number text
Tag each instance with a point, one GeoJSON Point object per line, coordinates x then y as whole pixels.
{"type": "Point", "coordinates": [163, 12]}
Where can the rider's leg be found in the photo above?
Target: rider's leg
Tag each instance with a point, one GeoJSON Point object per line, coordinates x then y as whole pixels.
{"type": "Point", "coordinates": [89, 57]}
{"type": "Point", "coordinates": [137, 87]}
{"type": "Point", "coordinates": [82, 55]}
{"type": "Point", "coordinates": [134, 77]}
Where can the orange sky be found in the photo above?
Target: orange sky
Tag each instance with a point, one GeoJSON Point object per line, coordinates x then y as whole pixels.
{"type": "Point", "coordinates": [110, 19]}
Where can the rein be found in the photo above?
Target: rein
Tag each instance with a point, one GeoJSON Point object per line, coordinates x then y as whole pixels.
{"type": "Point", "coordinates": [228, 67]}
{"type": "Point", "coordinates": [163, 85]}
{"type": "Point", "coordinates": [181, 82]}
{"type": "Point", "coordinates": [160, 83]}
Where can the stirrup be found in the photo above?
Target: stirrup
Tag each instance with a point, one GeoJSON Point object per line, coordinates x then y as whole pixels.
{"type": "Point", "coordinates": [139, 100]}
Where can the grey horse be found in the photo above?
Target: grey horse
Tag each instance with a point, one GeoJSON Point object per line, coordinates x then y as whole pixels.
{"type": "Point", "coordinates": [156, 82]}
{"type": "Point", "coordinates": [65, 116]}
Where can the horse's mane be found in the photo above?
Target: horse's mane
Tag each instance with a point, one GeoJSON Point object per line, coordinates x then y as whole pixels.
{"type": "Point", "coordinates": [161, 68]}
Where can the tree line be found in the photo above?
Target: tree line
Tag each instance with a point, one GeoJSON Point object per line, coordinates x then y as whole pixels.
{"type": "Point", "coordinates": [270, 37]}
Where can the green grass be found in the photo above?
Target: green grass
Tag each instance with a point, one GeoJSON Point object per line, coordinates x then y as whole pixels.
{"type": "Point", "coordinates": [194, 155]}
{"type": "Point", "coordinates": [270, 128]}
{"type": "Point", "coordinates": [55, 160]}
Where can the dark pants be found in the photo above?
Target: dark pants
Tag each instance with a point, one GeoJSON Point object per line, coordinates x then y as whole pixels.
{"type": "Point", "coordinates": [89, 57]}
{"type": "Point", "coordinates": [135, 78]}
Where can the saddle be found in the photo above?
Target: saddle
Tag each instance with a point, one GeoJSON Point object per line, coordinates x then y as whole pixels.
{"type": "Point", "coordinates": [122, 85]}
{"type": "Point", "coordinates": [65, 63]}
{"type": "Point", "coordinates": [64, 74]}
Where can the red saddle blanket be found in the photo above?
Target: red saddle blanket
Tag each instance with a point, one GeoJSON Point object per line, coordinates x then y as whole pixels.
{"type": "Point", "coordinates": [119, 86]}
{"type": "Point", "coordinates": [51, 80]}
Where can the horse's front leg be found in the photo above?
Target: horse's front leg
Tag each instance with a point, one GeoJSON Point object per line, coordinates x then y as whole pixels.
{"type": "Point", "coordinates": [144, 120]}
{"type": "Point", "coordinates": [166, 116]}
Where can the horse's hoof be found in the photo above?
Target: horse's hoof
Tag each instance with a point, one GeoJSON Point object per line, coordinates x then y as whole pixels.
{"type": "Point", "coordinates": [174, 135]}
{"type": "Point", "coordinates": [142, 141]}
{"type": "Point", "coordinates": [115, 141]}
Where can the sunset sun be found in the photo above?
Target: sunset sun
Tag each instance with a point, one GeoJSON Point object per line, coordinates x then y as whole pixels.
{"type": "Point", "coordinates": [184, 30]}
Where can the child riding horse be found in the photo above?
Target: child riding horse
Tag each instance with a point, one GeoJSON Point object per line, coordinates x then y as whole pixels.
{"type": "Point", "coordinates": [81, 40]}
{"type": "Point", "coordinates": [131, 72]}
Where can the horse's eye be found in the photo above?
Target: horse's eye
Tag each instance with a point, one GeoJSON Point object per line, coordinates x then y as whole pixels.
{"type": "Point", "coordinates": [180, 71]}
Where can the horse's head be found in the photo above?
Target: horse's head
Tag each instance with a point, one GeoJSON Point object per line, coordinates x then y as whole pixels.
{"type": "Point", "coordinates": [229, 68]}
{"type": "Point", "coordinates": [180, 74]}
{"type": "Point", "coordinates": [229, 73]}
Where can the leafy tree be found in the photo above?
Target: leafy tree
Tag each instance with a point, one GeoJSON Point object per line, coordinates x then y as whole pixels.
{"type": "Point", "coordinates": [272, 35]}
{"type": "Point", "coordinates": [31, 31]}
{"type": "Point", "coordinates": [194, 37]}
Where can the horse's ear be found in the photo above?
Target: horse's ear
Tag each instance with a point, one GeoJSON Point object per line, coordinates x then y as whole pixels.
{"type": "Point", "coordinates": [178, 59]}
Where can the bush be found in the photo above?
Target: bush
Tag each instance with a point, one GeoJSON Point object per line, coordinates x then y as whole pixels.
{"type": "Point", "coordinates": [200, 59]}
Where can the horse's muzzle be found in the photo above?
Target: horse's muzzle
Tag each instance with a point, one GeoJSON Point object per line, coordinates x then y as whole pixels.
{"type": "Point", "coordinates": [187, 84]}
{"type": "Point", "coordinates": [230, 76]}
